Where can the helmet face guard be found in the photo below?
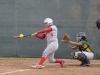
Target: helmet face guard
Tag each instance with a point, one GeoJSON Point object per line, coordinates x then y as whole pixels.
{"type": "Point", "coordinates": [78, 39]}
{"type": "Point", "coordinates": [98, 24]}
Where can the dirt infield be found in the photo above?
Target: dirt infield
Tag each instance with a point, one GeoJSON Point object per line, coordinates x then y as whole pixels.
{"type": "Point", "coordinates": [22, 66]}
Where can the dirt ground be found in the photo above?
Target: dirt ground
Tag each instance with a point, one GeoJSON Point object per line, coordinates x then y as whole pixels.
{"type": "Point", "coordinates": [22, 66]}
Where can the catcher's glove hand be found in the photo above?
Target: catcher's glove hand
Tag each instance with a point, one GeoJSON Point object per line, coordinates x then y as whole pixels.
{"type": "Point", "coordinates": [65, 38]}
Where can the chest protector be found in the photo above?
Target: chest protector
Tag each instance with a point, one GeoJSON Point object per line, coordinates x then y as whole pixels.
{"type": "Point", "coordinates": [85, 47]}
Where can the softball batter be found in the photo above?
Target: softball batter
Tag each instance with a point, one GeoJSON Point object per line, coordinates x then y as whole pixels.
{"type": "Point", "coordinates": [50, 32]}
{"type": "Point", "coordinates": [85, 52]}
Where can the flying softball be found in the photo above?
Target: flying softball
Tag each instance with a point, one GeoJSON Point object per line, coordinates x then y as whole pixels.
{"type": "Point", "coordinates": [21, 35]}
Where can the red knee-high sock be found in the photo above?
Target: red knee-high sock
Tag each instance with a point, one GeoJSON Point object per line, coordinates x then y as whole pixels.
{"type": "Point", "coordinates": [43, 58]}
{"type": "Point", "coordinates": [58, 61]}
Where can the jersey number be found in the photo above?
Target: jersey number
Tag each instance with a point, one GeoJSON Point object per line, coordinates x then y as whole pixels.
{"type": "Point", "coordinates": [51, 34]}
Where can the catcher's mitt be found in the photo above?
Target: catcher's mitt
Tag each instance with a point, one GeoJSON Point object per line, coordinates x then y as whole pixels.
{"type": "Point", "coordinates": [65, 38]}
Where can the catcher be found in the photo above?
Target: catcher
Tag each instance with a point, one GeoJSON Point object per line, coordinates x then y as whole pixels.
{"type": "Point", "coordinates": [85, 52]}
{"type": "Point", "coordinates": [98, 24]}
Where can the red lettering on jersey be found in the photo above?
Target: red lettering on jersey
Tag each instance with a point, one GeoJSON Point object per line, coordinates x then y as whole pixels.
{"type": "Point", "coordinates": [51, 34]}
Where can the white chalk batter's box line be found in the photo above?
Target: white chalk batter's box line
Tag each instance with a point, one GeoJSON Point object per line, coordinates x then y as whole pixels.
{"type": "Point", "coordinates": [4, 73]}
{"type": "Point", "coordinates": [22, 70]}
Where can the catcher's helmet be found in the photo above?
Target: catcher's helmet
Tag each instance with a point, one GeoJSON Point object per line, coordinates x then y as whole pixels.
{"type": "Point", "coordinates": [81, 34]}
{"type": "Point", "coordinates": [49, 21]}
{"type": "Point", "coordinates": [98, 24]}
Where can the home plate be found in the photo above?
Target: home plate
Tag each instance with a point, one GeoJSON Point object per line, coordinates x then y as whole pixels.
{"type": "Point", "coordinates": [35, 66]}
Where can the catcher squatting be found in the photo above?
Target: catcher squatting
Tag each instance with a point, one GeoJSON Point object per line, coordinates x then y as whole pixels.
{"type": "Point", "coordinates": [85, 52]}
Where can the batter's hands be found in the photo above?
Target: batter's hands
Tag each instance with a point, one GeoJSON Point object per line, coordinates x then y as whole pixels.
{"type": "Point", "coordinates": [34, 34]}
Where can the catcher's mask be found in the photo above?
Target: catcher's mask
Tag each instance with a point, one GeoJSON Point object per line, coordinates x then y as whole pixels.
{"type": "Point", "coordinates": [80, 36]}
{"type": "Point", "coordinates": [98, 24]}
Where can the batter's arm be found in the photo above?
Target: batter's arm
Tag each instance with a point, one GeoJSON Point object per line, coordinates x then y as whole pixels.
{"type": "Point", "coordinates": [45, 30]}
{"type": "Point", "coordinates": [41, 37]}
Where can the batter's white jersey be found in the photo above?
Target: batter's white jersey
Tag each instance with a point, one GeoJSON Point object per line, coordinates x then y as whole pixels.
{"type": "Point", "coordinates": [52, 36]}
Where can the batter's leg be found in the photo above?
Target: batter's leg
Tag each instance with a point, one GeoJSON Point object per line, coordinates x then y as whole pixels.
{"type": "Point", "coordinates": [54, 60]}
{"type": "Point", "coordinates": [52, 47]}
{"type": "Point", "coordinates": [43, 58]}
